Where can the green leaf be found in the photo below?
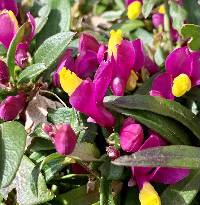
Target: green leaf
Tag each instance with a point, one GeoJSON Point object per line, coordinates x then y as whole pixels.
{"type": "Point", "coordinates": [58, 19]}
{"type": "Point", "coordinates": [159, 56]}
{"type": "Point", "coordinates": [23, 30]}
{"type": "Point", "coordinates": [145, 36]}
{"type": "Point", "coordinates": [178, 15]}
{"type": "Point", "coordinates": [193, 32]}
{"type": "Point", "coordinates": [77, 196]}
{"type": "Point", "coordinates": [168, 128]}
{"type": "Point", "coordinates": [86, 151]}
{"type": "Point", "coordinates": [179, 156]}
{"type": "Point", "coordinates": [183, 192]}
{"type": "Point", "coordinates": [112, 15]}
{"type": "Point", "coordinates": [160, 106]}
{"type": "Point", "coordinates": [192, 7]}
{"type": "Point", "coordinates": [12, 145]}
{"type": "Point", "coordinates": [4, 93]}
{"type": "Point", "coordinates": [53, 48]}
{"type": "Point", "coordinates": [31, 72]}
{"type": "Point", "coordinates": [22, 184]}
{"type": "Point", "coordinates": [132, 193]}
{"type": "Point", "coordinates": [148, 6]}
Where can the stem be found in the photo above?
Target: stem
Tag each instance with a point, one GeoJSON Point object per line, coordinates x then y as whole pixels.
{"type": "Point", "coordinates": [104, 191]}
{"type": "Point", "coordinates": [167, 24]}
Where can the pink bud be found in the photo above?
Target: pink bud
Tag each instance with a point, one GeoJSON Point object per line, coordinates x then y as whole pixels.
{"type": "Point", "coordinates": [112, 152]}
{"type": "Point", "coordinates": [131, 135]}
{"type": "Point", "coordinates": [4, 74]}
{"type": "Point", "coordinates": [65, 139]}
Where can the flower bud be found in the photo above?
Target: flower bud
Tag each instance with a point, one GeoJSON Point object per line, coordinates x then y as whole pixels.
{"type": "Point", "coordinates": [4, 74]}
{"type": "Point", "coordinates": [131, 135]}
{"type": "Point", "coordinates": [65, 139]}
{"type": "Point", "coordinates": [12, 106]}
{"type": "Point", "coordinates": [112, 152]}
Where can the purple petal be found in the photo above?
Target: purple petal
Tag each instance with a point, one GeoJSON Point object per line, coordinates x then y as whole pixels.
{"type": "Point", "coordinates": [12, 106]}
{"type": "Point", "coordinates": [9, 5]}
{"type": "Point", "coordinates": [8, 29]}
{"type": "Point", "coordinates": [195, 75]}
{"type": "Point", "coordinates": [84, 100]}
{"type": "Point", "coordinates": [88, 42]}
{"type": "Point", "coordinates": [169, 175]}
{"type": "Point", "coordinates": [102, 79]}
{"type": "Point", "coordinates": [32, 22]}
{"type": "Point", "coordinates": [21, 55]}
{"type": "Point", "coordinates": [86, 64]}
{"type": "Point", "coordinates": [179, 61]}
{"type": "Point", "coordinates": [158, 20]}
{"type": "Point", "coordinates": [102, 53]}
{"type": "Point", "coordinates": [122, 67]}
{"type": "Point", "coordinates": [4, 73]}
{"type": "Point", "coordinates": [67, 61]}
{"type": "Point", "coordinates": [162, 86]}
{"type": "Point", "coordinates": [65, 139]}
{"type": "Point", "coordinates": [139, 55]}
{"type": "Point", "coordinates": [131, 135]}
{"type": "Point", "coordinates": [150, 66]}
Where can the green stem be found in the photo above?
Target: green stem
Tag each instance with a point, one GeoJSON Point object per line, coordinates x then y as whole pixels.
{"type": "Point", "coordinates": [167, 24]}
{"type": "Point", "coordinates": [104, 191]}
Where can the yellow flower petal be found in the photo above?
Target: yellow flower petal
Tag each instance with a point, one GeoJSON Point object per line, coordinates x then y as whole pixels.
{"type": "Point", "coordinates": [69, 81]}
{"type": "Point", "coordinates": [148, 195]}
{"type": "Point", "coordinates": [115, 39]}
{"type": "Point", "coordinates": [161, 9]}
{"type": "Point", "coordinates": [134, 10]}
{"type": "Point", "coordinates": [181, 85]}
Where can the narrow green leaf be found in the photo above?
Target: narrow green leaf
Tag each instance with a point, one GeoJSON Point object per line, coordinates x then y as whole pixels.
{"type": "Point", "coordinates": [168, 128]}
{"type": "Point", "coordinates": [160, 106]}
{"type": "Point", "coordinates": [31, 72]}
{"type": "Point", "coordinates": [53, 48]}
{"type": "Point", "coordinates": [148, 6]}
{"type": "Point", "coordinates": [183, 192]}
{"type": "Point", "coordinates": [193, 32]}
{"type": "Point", "coordinates": [12, 145]}
{"type": "Point", "coordinates": [23, 30]}
{"type": "Point", "coordinates": [179, 156]}
{"type": "Point", "coordinates": [77, 196]}
{"type": "Point", "coordinates": [112, 15]}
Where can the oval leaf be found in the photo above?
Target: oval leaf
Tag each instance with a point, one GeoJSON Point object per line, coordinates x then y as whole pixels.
{"type": "Point", "coordinates": [31, 72]}
{"type": "Point", "coordinates": [177, 156]}
{"type": "Point", "coordinates": [52, 48]}
{"type": "Point", "coordinates": [12, 141]}
{"type": "Point", "coordinates": [160, 106]}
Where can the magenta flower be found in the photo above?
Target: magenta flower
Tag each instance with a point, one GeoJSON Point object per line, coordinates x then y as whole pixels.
{"type": "Point", "coordinates": [160, 174]}
{"type": "Point", "coordinates": [12, 106]}
{"type": "Point", "coordinates": [131, 135]}
{"type": "Point", "coordinates": [65, 139]}
{"type": "Point", "coordinates": [88, 96]}
{"type": "Point", "coordinates": [8, 27]}
{"type": "Point", "coordinates": [182, 73]}
{"type": "Point", "coordinates": [9, 5]}
{"type": "Point", "coordinates": [66, 61]}
{"type": "Point", "coordinates": [87, 63]}
{"type": "Point", "coordinates": [4, 73]}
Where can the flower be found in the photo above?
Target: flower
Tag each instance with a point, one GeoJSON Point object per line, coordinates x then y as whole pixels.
{"type": "Point", "coordinates": [8, 27]}
{"type": "Point", "coordinates": [12, 106]}
{"type": "Point", "coordinates": [148, 195]}
{"type": "Point", "coordinates": [144, 175]}
{"type": "Point", "coordinates": [9, 5]}
{"type": "Point", "coordinates": [88, 96]}
{"type": "Point", "coordinates": [131, 135]}
{"type": "Point", "coordinates": [65, 139]}
{"type": "Point", "coordinates": [134, 8]}
{"type": "Point", "coordinates": [182, 73]}
{"type": "Point", "coordinates": [112, 152]}
{"type": "Point", "coordinates": [4, 73]}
